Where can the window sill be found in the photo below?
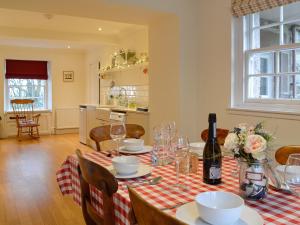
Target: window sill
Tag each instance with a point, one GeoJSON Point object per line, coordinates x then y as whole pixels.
{"type": "Point", "coordinates": [35, 111]}
{"type": "Point", "coordinates": [289, 114]}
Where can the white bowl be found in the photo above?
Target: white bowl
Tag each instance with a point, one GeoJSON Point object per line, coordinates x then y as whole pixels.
{"type": "Point", "coordinates": [125, 164]}
{"type": "Point", "coordinates": [133, 144]}
{"type": "Point", "coordinates": [197, 145]}
{"type": "Point", "coordinates": [219, 208]}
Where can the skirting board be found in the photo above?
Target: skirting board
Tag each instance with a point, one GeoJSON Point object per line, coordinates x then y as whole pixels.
{"type": "Point", "coordinates": [66, 131]}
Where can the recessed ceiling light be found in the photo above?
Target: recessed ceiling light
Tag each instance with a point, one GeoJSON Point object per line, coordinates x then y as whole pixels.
{"type": "Point", "coordinates": [68, 46]}
{"type": "Point", "coordinates": [99, 29]}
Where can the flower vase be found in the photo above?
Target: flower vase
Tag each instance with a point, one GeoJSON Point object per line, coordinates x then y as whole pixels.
{"type": "Point", "coordinates": [253, 181]}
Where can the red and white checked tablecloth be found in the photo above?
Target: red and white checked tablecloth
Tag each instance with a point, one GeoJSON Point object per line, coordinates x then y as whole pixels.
{"type": "Point", "coordinates": [277, 209]}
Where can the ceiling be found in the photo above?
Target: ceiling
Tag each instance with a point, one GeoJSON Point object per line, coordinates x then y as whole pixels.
{"type": "Point", "coordinates": [35, 29]}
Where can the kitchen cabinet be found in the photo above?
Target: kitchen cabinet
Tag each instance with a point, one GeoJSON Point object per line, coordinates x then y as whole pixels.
{"type": "Point", "coordinates": [102, 116]}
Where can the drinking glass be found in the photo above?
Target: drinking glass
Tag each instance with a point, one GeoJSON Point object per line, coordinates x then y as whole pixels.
{"type": "Point", "coordinates": [117, 132]}
{"type": "Point", "coordinates": [179, 152]}
{"type": "Point", "coordinates": [292, 173]}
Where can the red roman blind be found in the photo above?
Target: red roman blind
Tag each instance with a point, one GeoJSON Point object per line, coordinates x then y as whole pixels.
{"type": "Point", "coordinates": [26, 69]}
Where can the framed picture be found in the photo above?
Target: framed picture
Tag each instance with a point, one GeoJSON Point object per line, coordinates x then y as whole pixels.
{"type": "Point", "coordinates": [68, 76]}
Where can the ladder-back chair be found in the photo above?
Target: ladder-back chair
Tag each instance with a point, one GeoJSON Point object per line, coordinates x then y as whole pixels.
{"type": "Point", "coordinates": [27, 121]}
{"type": "Point", "coordinates": [98, 176]}
{"type": "Point", "coordinates": [102, 133]}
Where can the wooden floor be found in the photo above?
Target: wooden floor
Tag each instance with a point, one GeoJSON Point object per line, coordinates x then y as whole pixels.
{"type": "Point", "coordinates": [29, 193]}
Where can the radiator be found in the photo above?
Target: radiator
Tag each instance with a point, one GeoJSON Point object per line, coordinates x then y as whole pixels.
{"type": "Point", "coordinates": [66, 118]}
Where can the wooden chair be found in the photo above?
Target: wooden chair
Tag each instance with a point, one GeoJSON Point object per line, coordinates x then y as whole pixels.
{"type": "Point", "coordinates": [93, 174]}
{"type": "Point", "coordinates": [102, 133]}
{"type": "Point", "coordinates": [282, 154]}
{"type": "Point", "coordinates": [221, 135]}
{"type": "Point", "coordinates": [146, 214]}
{"type": "Point", "coordinates": [27, 121]}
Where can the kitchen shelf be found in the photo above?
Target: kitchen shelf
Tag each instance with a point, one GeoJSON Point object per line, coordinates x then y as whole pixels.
{"type": "Point", "coordinates": [126, 68]}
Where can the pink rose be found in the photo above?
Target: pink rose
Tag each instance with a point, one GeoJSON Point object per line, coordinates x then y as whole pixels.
{"type": "Point", "coordinates": [255, 144]}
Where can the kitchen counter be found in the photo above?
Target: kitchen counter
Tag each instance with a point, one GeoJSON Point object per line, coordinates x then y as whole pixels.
{"type": "Point", "coordinates": [120, 108]}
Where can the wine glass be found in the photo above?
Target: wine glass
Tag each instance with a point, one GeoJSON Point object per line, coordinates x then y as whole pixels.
{"type": "Point", "coordinates": [179, 152]}
{"type": "Point", "coordinates": [292, 173]}
{"type": "Point", "coordinates": [117, 132]}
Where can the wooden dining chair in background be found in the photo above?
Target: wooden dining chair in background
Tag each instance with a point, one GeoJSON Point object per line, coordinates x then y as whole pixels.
{"type": "Point", "coordinates": [93, 174]}
{"type": "Point", "coordinates": [147, 214]}
{"type": "Point", "coordinates": [282, 154]}
{"type": "Point", "coordinates": [221, 135]}
{"type": "Point", "coordinates": [27, 121]}
{"type": "Point", "coordinates": [102, 133]}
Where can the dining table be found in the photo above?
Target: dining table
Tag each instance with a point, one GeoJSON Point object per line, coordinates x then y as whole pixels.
{"type": "Point", "coordinates": [278, 208]}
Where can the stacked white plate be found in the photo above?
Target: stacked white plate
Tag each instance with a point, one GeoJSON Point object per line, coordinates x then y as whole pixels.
{"type": "Point", "coordinates": [134, 146]}
{"type": "Point", "coordinates": [197, 147]}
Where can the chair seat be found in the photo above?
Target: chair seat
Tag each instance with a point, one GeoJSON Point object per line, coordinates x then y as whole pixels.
{"type": "Point", "coordinates": [28, 123]}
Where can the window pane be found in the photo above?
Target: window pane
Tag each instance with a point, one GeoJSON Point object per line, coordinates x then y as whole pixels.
{"type": "Point", "coordinates": [267, 17]}
{"type": "Point", "coordinates": [291, 33]}
{"type": "Point", "coordinates": [297, 60]}
{"type": "Point", "coordinates": [265, 37]}
{"type": "Point", "coordinates": [14, 92]}
{"type": "Point", "coordinates": [286, 86]}
{"type": "Point", "coordinates": [261, 87]}
{"type": "Point", "coordinates": [261, 63]}
{"type": "Point", "coordinates": [28, 89]}
{"type": "Point", "coordinates": [269, 36]}
{"type": "Point", "coordinates": [39, 103]}
{"type": "Point", "coordinates": [38, 91]}
{"type": "Point", "coordinates": [291, 11]}
{"type": "Point", "coordinates": [297, 89]}
{"type": "Point", "coordinates": [286, 61]}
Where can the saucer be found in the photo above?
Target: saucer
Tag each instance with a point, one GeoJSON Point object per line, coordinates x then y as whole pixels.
{"type": "Point", "coordinates": [142, 171]}
{"type": "Point", "coordinates": [146, 149]}
{"type": "Point", "coordinates": [189, 214]}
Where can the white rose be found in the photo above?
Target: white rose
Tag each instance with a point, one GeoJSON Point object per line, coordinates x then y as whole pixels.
{"type": "Point", "coordinates": [231, 141]}
{"type": "Point", "coordinates": [255, 144]}
{"type": "Point", "coordinates": [259, 155]}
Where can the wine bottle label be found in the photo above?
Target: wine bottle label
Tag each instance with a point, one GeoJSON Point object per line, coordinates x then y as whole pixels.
{"type": "Point", "coordinates": [214, 172]}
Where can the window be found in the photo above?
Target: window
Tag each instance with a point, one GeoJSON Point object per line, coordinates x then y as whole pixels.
{"type": "Point", "coordinates": [267, 59]}
{"type": "Point", "coordinates": [28, 89]}
{"type": "Point", "coordinates": [27, 80]}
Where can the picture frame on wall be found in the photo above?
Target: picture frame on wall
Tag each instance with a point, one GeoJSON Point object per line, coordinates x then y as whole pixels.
{"type": "Point", "coordinates": [68, 76]}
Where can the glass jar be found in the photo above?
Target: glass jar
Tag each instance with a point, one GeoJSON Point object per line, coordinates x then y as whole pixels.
{"type": "Point", "coordinates": [253, 180]}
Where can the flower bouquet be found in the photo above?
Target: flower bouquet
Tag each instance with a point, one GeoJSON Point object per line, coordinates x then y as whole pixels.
{"type": "Point", "coordinates": [249, 144]}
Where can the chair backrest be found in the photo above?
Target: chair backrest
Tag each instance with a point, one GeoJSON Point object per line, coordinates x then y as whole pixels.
{"type": "Point", "coordinates": [146, 214]}
{"type": "Point", "coordinates": [23, 109]}
{"type": "Point", "coordinates": [221, 135]}
{"type": "Point", "coordinates": [93, 174]}
{"type": "Point", "coordinates": [282, 154]}
{"type": "Point", "coordinates": [102, 133]}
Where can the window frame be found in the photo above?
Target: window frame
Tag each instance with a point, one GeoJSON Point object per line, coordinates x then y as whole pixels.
{"type": "Point", "coordinates": [47, 97]}
{"type": "Point", "coordinates": [7, 86]}
{"type": "Point", "coordinates": [241, 42]}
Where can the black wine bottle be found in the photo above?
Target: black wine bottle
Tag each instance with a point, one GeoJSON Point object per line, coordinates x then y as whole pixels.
{"type": "Point", "coordinates": [212, 156]}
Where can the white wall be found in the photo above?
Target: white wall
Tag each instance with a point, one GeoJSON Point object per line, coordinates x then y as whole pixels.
{"type": "Point", "coordinates": [64, 94]}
